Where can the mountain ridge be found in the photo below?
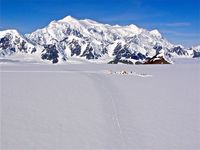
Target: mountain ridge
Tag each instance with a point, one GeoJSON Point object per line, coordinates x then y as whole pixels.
{"type": "Point", "coordinates": [69, 37]}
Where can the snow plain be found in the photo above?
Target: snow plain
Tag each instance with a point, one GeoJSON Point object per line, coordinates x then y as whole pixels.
{"type": "Point", "coordinates": [82, 106]}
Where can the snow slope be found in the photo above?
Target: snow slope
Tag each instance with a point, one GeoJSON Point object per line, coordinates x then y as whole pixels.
{"type": "Point", "coordinates": [85, 107]}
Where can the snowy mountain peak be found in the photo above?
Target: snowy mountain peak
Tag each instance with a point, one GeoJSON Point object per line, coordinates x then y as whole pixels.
{"type": "Point", "coordinates": [9, 31]}
{"type": "Point", "coordinates": [92, 40]}
{"type": "Point", "coordinates": [12, 42]}
{"type": "Point", "coordinates": [117, 26]}
{"type": "Point", "coordinates": [181, 46]}
{"type": "Point", "coordinates": [68, 19]}
{"type": "Point", "coordinates": [133, 26]}
{"type": "Point", "coordinates": [155, 32]}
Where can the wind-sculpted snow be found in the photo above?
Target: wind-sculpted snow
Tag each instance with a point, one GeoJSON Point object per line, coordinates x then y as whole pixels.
{"type": "Point", "coordinates": [100, 106]}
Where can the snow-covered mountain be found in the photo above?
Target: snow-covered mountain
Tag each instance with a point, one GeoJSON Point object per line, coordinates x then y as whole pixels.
{"type": "Point", "coordinates": [69, 37]}
{"type": "Point", "coordinates": [13, 42]}
{"type": "Point", "coordinates": [196, 51]}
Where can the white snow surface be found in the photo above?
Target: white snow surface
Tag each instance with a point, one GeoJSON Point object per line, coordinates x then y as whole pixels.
{"type": "Point", "coordinates": [82, 106]}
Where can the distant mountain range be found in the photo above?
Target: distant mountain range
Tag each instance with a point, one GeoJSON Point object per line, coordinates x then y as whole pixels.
{"type": "Point", "coordinates": [88, 39]}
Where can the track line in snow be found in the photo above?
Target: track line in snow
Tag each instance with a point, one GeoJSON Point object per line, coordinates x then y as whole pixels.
{"type": "Point", "coordinates": [114, 109]}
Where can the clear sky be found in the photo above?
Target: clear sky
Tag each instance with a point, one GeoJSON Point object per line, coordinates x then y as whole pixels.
{"type": "Point", "coordinates": [177, 20]}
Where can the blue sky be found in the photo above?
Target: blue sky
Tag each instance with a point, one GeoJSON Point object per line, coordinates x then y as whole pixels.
{"type": "Point", "coordinates": [177, 20]}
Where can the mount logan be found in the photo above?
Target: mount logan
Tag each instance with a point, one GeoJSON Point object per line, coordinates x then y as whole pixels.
{"type": "Point", "coordinates": [87, 39]}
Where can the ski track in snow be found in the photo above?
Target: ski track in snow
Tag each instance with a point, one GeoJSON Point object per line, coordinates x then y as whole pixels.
{"type": "Point", "coordinates": [104, 91]}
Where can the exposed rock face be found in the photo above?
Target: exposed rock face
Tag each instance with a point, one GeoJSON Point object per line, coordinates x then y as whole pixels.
{"type": "Point", "coordinates": [90, 53]}
{"type": "Point", "coordinates": [50, 53]}
{"type": "Point", "coordinates": [75, 48]}
{"type": "Point", "coordinates": [196, 54]}
{"type": "Point", "coordinates": [178, 50]}
{"type": "Point", "coordinates": [121, 61]}
{"type": "Point", "coordinates": [159, 58]}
